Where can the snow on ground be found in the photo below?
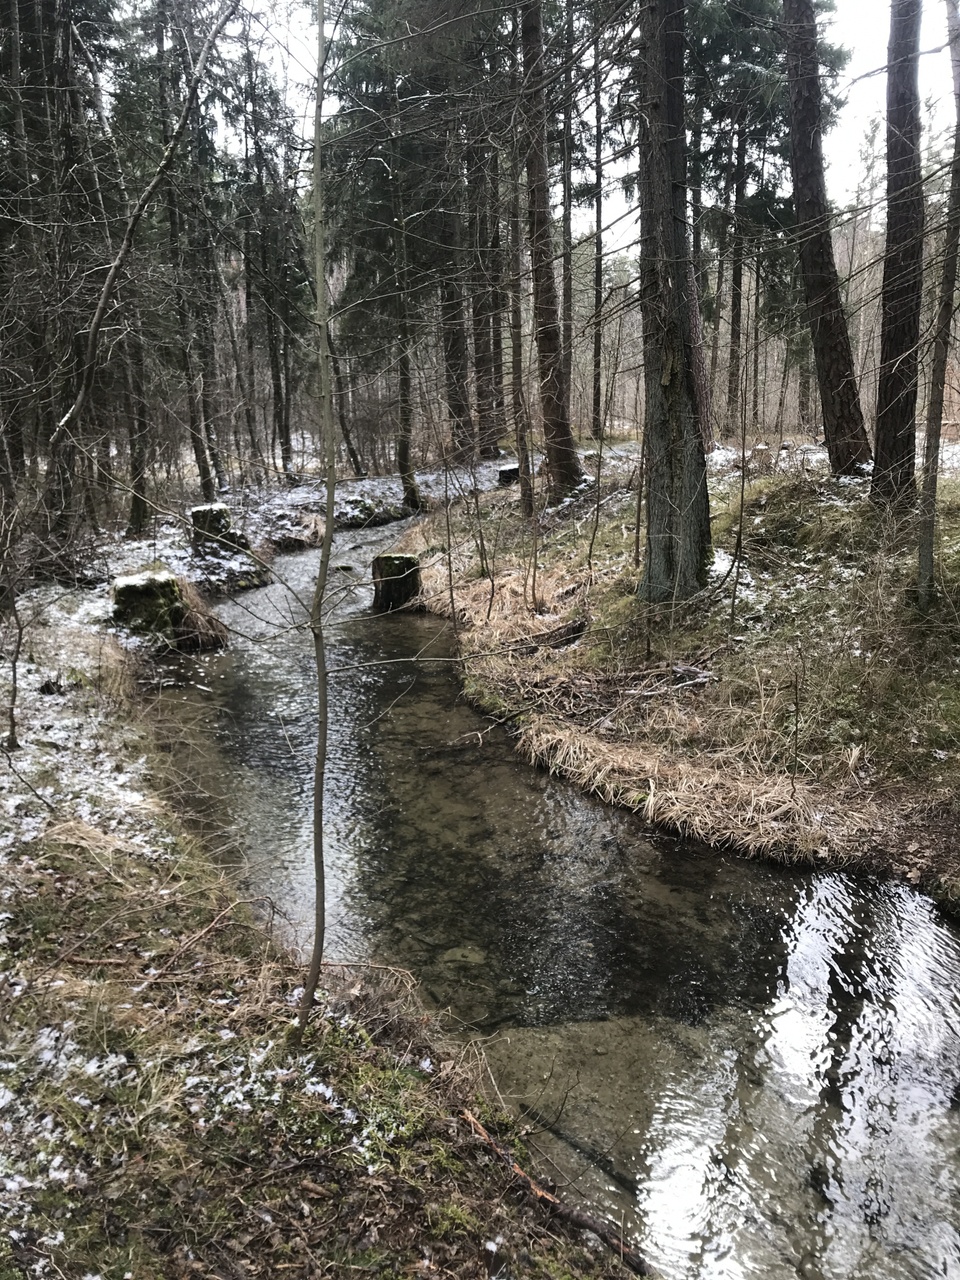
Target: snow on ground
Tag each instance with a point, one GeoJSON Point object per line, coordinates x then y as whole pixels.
{"type": "Point", "coordinates": [80, 767]}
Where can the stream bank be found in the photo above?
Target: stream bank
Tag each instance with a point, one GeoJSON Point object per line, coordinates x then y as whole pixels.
{"type": "Point", "coordinates": [798, 709]}
{"type": "Point", "coordinates": [153, 1119]}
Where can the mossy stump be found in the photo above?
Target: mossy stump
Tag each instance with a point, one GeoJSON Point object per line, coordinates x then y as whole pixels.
{"type": "Point", "coordinates": [212, 529]}
{"type": "Point", "coordinates": [396, 582]}
{"type": "Point", "coordinates": [156, 603]}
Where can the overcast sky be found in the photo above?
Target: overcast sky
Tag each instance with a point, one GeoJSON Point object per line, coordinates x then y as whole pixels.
{"type": "Point", "coordinates": [862, 26]}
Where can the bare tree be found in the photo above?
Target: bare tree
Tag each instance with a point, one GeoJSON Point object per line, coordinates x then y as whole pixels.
{"type": "Point", "coordinates": [328, 433]}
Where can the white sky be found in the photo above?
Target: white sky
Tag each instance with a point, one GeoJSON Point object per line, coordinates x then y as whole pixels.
{"type": "Point", "coordinates": [863, 26]}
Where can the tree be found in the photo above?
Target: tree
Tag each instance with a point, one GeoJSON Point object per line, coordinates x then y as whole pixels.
{"type": "Point", "coordinates": [328, 437]}
{"type": "Point", "coordinates": [901, 297]}
{"type": "Point", "coordinates": [844, 432]}
{"type": "Point", "coordinates": [941, 338]}
{"type": "Point", "coordinates": [678, 519]}
{"type": "Point", "coordinates": [563, 464]}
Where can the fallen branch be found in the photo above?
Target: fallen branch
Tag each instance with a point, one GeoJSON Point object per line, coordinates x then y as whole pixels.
{"type": "Point", "coordinates": [612, 1238]}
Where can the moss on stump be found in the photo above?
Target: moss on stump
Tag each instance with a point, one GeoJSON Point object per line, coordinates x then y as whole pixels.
{"type": "Point", "coordinates": [157, 603]}
{"type": "Point", "coordinates": [212, 529]}
{"type": "Point", "coordinates": [396, 581]}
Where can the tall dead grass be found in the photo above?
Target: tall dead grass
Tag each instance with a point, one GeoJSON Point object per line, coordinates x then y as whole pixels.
{"type": "Point", "coordinates": [775, 721]}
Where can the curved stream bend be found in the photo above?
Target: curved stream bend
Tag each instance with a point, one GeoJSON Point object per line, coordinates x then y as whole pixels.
{"type": "Point", "coordinates": [758, 1070]}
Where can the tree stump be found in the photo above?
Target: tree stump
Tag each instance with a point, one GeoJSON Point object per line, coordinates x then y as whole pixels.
{"type": "Point", "coordinates": [212, 529]}
{"type": "Point", "coordinates": [396, 581]}
{"type": "Point", "coordinates": [149, 601]}
{"type": "Point", "coordinates": [508, 475]}
{"type": "Point", "coordinates": [159, 604]}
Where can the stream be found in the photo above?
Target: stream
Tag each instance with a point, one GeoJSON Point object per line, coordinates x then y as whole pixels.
{"type": "Point", "coordinates": [756, 1070]}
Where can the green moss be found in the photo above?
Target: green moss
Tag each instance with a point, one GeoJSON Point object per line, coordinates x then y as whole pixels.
{"type": "Point", "coordinates": [449, 1220]}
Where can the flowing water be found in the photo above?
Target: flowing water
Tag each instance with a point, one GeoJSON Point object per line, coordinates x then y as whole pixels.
{"type": "Point", "coordinates": [756, 1070]}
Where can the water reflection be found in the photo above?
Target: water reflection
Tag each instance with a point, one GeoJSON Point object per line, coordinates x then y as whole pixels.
{"type": "Point", "coordinates": [759, 1071]}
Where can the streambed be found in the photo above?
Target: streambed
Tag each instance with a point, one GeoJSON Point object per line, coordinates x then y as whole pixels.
{"type": "Point", "coordinates": [756, 1069]}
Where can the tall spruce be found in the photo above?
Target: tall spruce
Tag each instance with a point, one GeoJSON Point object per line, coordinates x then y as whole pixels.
{"type": "Point", "coordinates": [845, 435]}
{"type": "Point", "coordinates": [563, 464]}
{"type": "Point", "coordinates": [896, 436]}
{"type": "Point", "coordinates": [678, 520]}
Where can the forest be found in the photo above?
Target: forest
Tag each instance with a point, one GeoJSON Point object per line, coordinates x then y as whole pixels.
{"type": "Point", "coordinates": [479, 633]}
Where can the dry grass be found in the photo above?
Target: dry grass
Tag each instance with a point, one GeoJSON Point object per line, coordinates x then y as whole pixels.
{"type": "Point", "coordinates": [800, 708]}
{"type": "Point", "coordinates": [199, 629]}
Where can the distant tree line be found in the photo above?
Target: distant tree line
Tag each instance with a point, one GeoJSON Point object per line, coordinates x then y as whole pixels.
{"type": "Point", "coordinates": [473, 161]}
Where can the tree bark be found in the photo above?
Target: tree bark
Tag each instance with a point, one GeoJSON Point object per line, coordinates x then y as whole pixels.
{"type": "Point", "coordinates": [174, 237]}
{"type": "Point", "coordinates": [736, 286]}
{"type": "Point", "coordinates": [329, 438]}
{"type": "Point", "coordinates": [453, 321]}
{"type": "Point", "coordinates": [678, 520]}
{"type": "Point", "coordinates": [941, 341]}
{"type": "Point", "coordinates": [518, 403]}
{"type": "Point", "coordinates": [723, 238]}
{"type": "Point", "coordinates": [481, 302]}
{"type": "Point", "coordinates": [893, 472]}
{"type": "Point", "coordinates": [566, 257]}
{"type": "Point", "coordinates": [563, 464]}
{"type": "Point", "coordinates": [846, 438]}
{"type": "Point", "coordinates": [597, 414]}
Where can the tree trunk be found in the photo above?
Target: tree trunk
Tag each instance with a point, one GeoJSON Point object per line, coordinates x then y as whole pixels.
{"type": "Point", "coordinates": [138, 427]}
{"type": "Point", "coordinates": [498, 299]}
{"type": "Point", "coordinates": [176, 262]}
{"type": "Point", "coordinates": [755, 329]}
{"type": "Point", "coordinates": [481, 302]}
{"type": "Point", "coordinates": [12, 432]}
{"type": "Point", "coordinates": [518, 404]}
{"type": "Point", "coordinates": [678, 520]}
{"type": "Point", "coordinates": [329, 443]}
{"type": "Point", "coordinates": [563, 464]}
{"type": "Point", "coordinates": [453, 323]}
{"type": "Point", "coordinates": [736, 287]}
{"type": "Point", "coordinates": [901, 297]}
{"type": "Point", "coordinates": [566, 257]}
{"type": "Point", "coordinates": [340, 385]}
{"type": "Point", "coordinates": [846, 437]}
{"type": "Point", "coordinates": [58, 495]}
{"type": "Point", "coordinates": [941, 341]}
{"type": "Point", "coordinates": [723, 239]}
{"type": "Point", "coordinates": [698, 355]}
{"type": "Point", "coordinates": [597, 414]}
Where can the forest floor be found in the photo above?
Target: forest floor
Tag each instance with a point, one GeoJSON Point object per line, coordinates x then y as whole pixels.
{"type": "Point", "coordinates": [155, 1120]}
{"type": "Point", "coordinates": [799, 708]}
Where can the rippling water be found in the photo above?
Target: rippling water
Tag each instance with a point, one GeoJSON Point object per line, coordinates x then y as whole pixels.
{"type": "Point", "coordinates": [757, 1070]}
